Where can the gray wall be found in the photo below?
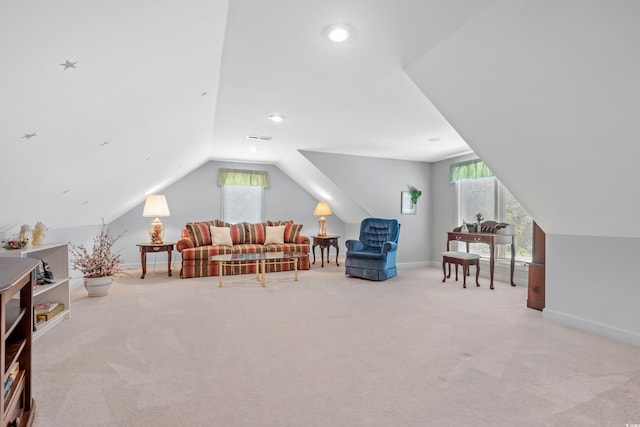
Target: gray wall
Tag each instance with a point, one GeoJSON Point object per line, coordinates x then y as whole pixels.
{"type": "Point", "coordinates": [197, 197]}
{"type": "Point", "coordinates": [589, 280]}
{"type": "Point", "coordinates": [444, 211]}
{"type": "Point", "coordinates": [444, 214]}
{"type": "Point", "coordinates": [376, 184]}
{"type": "Point", "coordinates": [591, 284]}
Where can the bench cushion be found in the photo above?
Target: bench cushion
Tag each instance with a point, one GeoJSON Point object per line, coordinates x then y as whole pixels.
{"type": "Point", "coordinates": [460, 255]}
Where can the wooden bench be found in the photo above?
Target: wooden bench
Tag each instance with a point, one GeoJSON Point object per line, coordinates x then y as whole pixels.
{"type": "Point", "coordinates": [464, 259]}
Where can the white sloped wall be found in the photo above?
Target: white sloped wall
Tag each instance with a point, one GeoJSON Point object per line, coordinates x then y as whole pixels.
{"type": "Point", "coordinates": [546, 93]}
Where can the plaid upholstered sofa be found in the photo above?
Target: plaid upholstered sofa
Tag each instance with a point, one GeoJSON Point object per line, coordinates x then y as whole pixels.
{"type": "Point", "coordinates": [200, 240]}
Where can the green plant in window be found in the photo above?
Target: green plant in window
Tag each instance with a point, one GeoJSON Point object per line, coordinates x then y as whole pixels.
{"type": "Point", "coordinates": [415, 194]}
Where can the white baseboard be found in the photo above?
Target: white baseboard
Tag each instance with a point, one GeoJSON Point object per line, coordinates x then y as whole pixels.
{"type": "Point", "coordinates": [416, 264]}
{"type": "Point", "coordinates": [618, 334]}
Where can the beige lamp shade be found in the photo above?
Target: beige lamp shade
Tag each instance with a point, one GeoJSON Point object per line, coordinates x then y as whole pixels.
{"type": "Point", "coordinates": [322, 209]}
{"type": "Point", "coordinates": [155, 206]}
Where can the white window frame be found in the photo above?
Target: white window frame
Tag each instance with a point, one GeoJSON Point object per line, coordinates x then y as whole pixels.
{"type": "Point", "coordinates": [255, 217]}
{"type": "Point", "coordinates": [499, 209]}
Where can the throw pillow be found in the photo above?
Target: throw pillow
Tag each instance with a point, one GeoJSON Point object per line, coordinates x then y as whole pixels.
{"type": "Point", "coordinates": [274, 235]}
{"type": "Point", "coordinates": [253, 233]}
{"type": "Point", "coordinates": [292, 232]}
{"type": "Point", "coordinates": [238, 233]}
{"type": "Point", "coordinates": [199, 232]}
{"type": "Point", "coordinates": [221, 236]}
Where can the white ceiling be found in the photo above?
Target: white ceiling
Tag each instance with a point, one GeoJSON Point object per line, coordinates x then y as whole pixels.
{"type": "Point", "coordinates": [351, 98]}
{"type": "Point", "coordinates": [159, 87]}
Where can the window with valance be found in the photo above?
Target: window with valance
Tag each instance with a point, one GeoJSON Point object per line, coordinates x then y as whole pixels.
{"type": "Point", "coordinates": [243, 178]}
{"type": "Point", "coordinates": [471, 169]}
{"type": "Point", "coordinates": [242, 194]}
{"type": "Point", "coordinates": [479, 191]}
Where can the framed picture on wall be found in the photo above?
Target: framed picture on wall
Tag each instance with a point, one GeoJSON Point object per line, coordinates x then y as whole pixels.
{"type": "Point", "coordinates": [406, 204]}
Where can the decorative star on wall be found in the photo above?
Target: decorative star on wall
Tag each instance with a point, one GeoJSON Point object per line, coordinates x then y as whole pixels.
{"type": "Point", "coordinates": [69, 64]}
{"type": "Point", "coordinates": [29, 135]}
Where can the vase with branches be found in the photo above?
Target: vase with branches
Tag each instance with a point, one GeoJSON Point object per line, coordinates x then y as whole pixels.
{"type": "Point", "coordinates": [100, 263]}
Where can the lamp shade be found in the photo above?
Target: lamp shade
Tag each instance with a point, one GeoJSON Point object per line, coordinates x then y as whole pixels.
{"type": "Point", "coordinates": [155, 206]}
{"type": "Point", "coordinates": [322, 209]}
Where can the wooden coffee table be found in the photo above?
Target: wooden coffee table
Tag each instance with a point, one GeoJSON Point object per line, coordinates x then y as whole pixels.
{"type": "Point", "coordinates": [261, 260]}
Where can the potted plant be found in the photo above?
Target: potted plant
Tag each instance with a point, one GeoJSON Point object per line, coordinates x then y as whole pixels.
{"type": "Point", "coordinates": [415, 194]}
{"type": "Point", "coordinates": [99, 265]}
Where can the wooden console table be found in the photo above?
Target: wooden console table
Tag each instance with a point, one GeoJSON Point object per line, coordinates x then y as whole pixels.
{"type": "Point", "coordinates": [489, 239]}
{"type": "Point", "coordinates": [325, 242]}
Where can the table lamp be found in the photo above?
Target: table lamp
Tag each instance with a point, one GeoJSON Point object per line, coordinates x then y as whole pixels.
{"type": "Point", "coordinates": [155, 206]}
{"type": "Point", "coordinates": [322, 209]}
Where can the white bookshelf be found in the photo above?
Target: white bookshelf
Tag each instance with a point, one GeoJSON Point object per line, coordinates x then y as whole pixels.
{"type": "Point", "coordinates": [57, 256]}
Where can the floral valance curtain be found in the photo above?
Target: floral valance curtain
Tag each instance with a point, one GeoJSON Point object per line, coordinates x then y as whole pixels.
{"type": "Point", "coordinates": [243, 177]}
{"type": "Point", "coordinates": [471, 169]}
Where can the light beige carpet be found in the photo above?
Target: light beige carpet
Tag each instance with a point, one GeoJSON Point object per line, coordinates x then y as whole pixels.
{"type": "Point", "coordinates": [326, 351]}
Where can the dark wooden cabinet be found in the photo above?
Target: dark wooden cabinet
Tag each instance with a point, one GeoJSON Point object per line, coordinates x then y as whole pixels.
{"type": "Point", "coordinates": [17, 277]}
{"type": "Point", "coordinates": [536, 297]}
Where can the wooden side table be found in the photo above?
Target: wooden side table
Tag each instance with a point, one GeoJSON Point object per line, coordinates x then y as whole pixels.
{"type": "Point", "coordinates": [149, 247]}
{"type": "Point", "coordinates": [325, 242]}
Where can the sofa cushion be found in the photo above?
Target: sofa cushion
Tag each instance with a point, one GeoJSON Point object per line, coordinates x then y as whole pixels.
{"type": "Point", "coordinates": [292, 232]}
{"type": "Point", "coordinates": [274, 235]}
{"type": "Point", "coordinates": [254, 233]}
{"type": "Point", "coordinates": [199, 232]}
{"type": "Point", "coordinates": [276, 223]}
{"type": "Point", "coordinates": [237, 233]}
{"type": "Point", "coordinates": [221, 236]}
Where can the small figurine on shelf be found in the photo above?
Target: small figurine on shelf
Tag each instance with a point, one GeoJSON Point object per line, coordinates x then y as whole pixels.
{"type": "Point", "coordinates": [39, 276]}
{"type": "Point", "coordinates": [25, 232]}
{"type": "Point", "coordinates": [39, 235]}
{"type": "Point", "coordinates": [464, 228]}
{"type": "Point", "coordinates": [48, 274]}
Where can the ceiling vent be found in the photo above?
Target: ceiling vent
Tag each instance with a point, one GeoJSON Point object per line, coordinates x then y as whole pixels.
{"type": "Point", "coordinates": [259, 138]}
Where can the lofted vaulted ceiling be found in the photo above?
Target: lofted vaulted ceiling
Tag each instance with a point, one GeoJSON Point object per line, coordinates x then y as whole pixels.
{"type": "Point", "coordinates": [103, 102]}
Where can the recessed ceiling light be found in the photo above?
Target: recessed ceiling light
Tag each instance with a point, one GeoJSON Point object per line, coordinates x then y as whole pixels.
{"type": "Point", "coordinates": [339, 33]}
{"type": "Point", "coordinates": [259, 137]}
{"type": "Point", "coordinates": [277, 118]}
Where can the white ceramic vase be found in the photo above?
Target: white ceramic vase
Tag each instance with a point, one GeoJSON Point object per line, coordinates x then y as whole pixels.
{"type": "Point", "coordinates": [98, 286]}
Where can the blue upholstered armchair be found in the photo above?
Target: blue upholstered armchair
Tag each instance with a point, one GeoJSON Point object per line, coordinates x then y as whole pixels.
{"type": "Point", "coordinates": [373, 256]}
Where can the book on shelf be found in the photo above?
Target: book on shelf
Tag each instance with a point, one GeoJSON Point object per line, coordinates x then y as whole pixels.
{"type": "Point", "coordinates": [43, 317]}
{"type": "Point", "coordinates": [11, 379]}
{"type": "Point", "coordinates": [46, 307]}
